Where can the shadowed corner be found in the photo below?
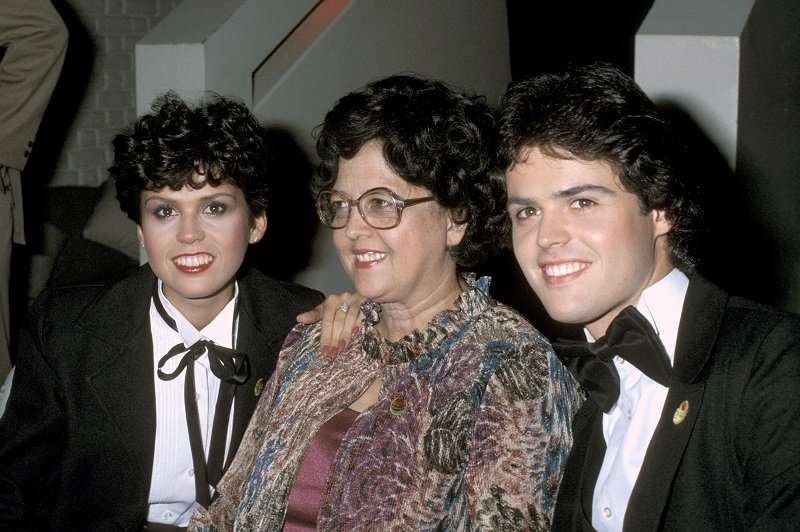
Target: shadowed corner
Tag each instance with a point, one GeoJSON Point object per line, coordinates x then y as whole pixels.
{"type": "Point", "coordinates": [62, 110]}
{"type": "Point", "coordinates": [735, 248]}
{"type": "Point", "coordinates": [292, 222]}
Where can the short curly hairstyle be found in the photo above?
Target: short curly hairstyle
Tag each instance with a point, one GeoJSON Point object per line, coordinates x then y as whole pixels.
{"type": "Point", "coordinates": [597, 112]}
{"type": "Point", "coordinates": [433, 137]}
{"type": "Point", "coordinates": [219, 140]}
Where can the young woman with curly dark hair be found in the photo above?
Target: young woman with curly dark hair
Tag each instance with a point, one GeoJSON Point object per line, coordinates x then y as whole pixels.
{"type": "Point", "coordinates": [130, 398]}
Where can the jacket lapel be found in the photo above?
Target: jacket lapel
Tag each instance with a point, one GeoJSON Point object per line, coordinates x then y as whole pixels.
{"type": "Point", "coordinates": [573, 508]}
{"type": "Point", "coordinates": [252, 342]}
{"type": "Point", "coordinates": [262, 330]}
{"type": "Point", "coordinates": [701, 316]}
{"type": "Point", "coordinates": [120, 345]}
{"type": "Point", "coordinates": [595, 452]}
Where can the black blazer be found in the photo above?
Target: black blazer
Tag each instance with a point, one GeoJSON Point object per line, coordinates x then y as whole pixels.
{"type": "Point", "coordinates": [77, 439]}
{"type": "Point", "coordinates": [733, 463]}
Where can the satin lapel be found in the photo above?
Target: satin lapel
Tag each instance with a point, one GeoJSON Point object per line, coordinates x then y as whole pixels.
{"type": "Point", "coordinates": [573, 509]}
{"type": "Point", "coordinates": [591, 466]}
{"type": "Point", "coordinates": [118, 328]}
{"type": "Point", "coordinates": [701, 317]}
{"type": "Point", "coordinates": [651, 492]}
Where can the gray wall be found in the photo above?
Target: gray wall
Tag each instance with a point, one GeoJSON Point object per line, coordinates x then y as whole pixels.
{"type": "Point", "coordinates": [97, 84]}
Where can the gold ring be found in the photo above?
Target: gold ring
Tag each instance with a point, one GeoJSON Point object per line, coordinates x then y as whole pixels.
{"type": "Point", "coordinates": [344, 307]}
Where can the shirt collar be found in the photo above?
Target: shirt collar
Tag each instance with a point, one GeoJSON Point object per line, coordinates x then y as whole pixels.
{"type": "Point", "coordinates": [662, 303]}
{"type": "Point", "coordinates": [218, 331]}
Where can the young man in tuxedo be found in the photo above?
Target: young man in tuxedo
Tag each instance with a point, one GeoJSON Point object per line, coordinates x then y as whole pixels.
{"type": "Point", "coordinates": [691, 421]}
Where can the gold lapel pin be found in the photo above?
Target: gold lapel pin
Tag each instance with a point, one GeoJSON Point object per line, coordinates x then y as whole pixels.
{"type": "Point", "coordinates": [259, 387]}
{"type": "Point", "coordinates": [398, 406]}
{"type": "Point", "coordinates": [680, 413]}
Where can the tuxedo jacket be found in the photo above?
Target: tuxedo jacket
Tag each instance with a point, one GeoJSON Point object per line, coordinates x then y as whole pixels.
{"type": "Point", "coordinates": [730, 460]}
{"type": "Point", "coordinates": [78, 436]}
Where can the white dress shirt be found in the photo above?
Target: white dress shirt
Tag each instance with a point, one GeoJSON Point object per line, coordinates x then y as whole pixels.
{"type": "Point", "coordinates": [630, 424]}
{"type": "Point", "coordinates": [172, 487]}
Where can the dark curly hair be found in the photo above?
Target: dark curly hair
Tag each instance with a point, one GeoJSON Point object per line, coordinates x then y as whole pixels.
{"type": "Point", "coordinates": [597, 112]}
{"type": "Point", "coordinates": [433, 137]}
{"type": "Point", "coordinates": [219, 139]}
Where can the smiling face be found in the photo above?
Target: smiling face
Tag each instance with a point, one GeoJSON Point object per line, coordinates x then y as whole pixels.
{"type": "Point", "coordinates": [196, 241]}
{"type": "Point", "coordinates": [407, 267]}
{"type": "Point", "coordinates": [581, 240]}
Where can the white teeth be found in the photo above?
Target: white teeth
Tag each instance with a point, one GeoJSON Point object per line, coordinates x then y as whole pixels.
{"type": "Point", "coordinates": [369, 257]}
{"type": "Point", "coordinates": [194, 261]}
{"type": "Point", "coordinates": [557, 270]}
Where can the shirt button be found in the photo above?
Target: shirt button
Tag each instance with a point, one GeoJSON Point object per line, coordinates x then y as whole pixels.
{"type": "Point", "coordinates": [190, 472]}
{"type": "Point", "coordinates": [607, 512]}
{"type": "Point", "coordinates": [619, 359]}
{"type": "Point", "coordinates": [168, 515]}
{"type": "Point", "coordinates": [197, 397]}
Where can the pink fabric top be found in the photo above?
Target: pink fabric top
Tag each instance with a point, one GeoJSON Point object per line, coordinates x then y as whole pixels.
{"type": "Point", "coordinates": [304, 499]}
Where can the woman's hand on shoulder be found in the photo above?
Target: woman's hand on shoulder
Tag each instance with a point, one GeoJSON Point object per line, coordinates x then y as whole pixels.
{"type": "Point", "coordinates": [341, 316]}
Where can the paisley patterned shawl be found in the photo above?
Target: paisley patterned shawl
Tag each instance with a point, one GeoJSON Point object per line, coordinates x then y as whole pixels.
{"type": "Point", "coordinates": [480, 443]}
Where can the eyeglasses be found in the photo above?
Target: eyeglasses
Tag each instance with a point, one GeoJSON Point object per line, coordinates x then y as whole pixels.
{"type": "Point", "coordinates": [379, 207]}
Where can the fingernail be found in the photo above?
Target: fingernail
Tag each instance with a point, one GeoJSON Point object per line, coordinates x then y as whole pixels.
{"type": "Point", "coordinates": [342, 345]}
{"type": "Point", "coordinates": [325, 350]}
{"type": "Point", "coordinates": [354, 331]}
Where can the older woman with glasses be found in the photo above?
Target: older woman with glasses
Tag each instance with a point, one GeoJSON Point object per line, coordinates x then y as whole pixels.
{"type": "Point", "coordinates": [448, 410]}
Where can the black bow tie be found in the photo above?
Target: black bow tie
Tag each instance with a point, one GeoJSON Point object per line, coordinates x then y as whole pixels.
{"type": "Point", "coordinates": [631, 337]}
{"type": "Point", "coordinates": [228, 365]}
{"type": "Point", "coordinates": [231, 367]}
